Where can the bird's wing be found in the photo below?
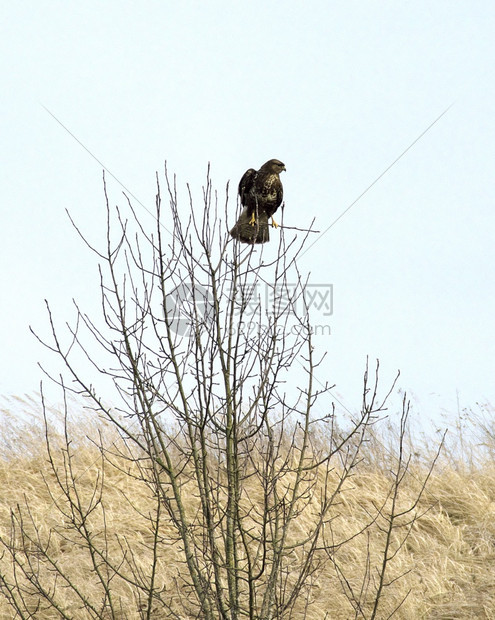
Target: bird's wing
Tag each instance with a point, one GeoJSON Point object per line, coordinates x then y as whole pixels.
{"type": "Point", "coordinates": [246, 184]}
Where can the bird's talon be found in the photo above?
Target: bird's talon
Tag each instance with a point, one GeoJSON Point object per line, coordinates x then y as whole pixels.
{"type": "Point", "coordinates": [274, 223]}
{"type": "Point", "coordinates": [252, 221]}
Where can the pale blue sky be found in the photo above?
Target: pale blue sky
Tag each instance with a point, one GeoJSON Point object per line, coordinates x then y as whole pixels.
{"type": "Point", "coordinates": [336, 90]}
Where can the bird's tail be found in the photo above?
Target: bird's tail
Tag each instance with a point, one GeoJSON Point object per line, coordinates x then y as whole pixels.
{"type": "Point", "coordinates": [246, 232]}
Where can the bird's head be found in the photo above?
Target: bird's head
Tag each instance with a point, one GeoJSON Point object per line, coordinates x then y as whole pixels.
{"type": "Point", "coordinates": [274, 166]}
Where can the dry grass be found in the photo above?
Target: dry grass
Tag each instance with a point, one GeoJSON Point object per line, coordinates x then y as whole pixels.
{"type": "Point", "coordinates": [444, 570]}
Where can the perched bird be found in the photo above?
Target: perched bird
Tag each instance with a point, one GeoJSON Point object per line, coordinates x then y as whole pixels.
{"type": "Point", "coordinates": [261, 194]}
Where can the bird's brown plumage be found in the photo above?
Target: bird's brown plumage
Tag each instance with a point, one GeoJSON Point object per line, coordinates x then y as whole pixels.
{"type": "Point", "coordinates": [261, 194]}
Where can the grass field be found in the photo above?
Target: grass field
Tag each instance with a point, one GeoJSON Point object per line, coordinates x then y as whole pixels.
{"type": "Point", "coordinates": [444, 568]}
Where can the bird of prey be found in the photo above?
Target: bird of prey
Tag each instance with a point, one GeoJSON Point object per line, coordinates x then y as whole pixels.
{"type": "Point", "coordinates": [261, 194]}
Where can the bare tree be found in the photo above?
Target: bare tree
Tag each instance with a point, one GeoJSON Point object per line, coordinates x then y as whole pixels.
{"type": "Point", "coordinates": [208, 347]}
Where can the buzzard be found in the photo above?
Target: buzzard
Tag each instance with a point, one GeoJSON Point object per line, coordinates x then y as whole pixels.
{"type": "Point", "coordinates": [261, 195]}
